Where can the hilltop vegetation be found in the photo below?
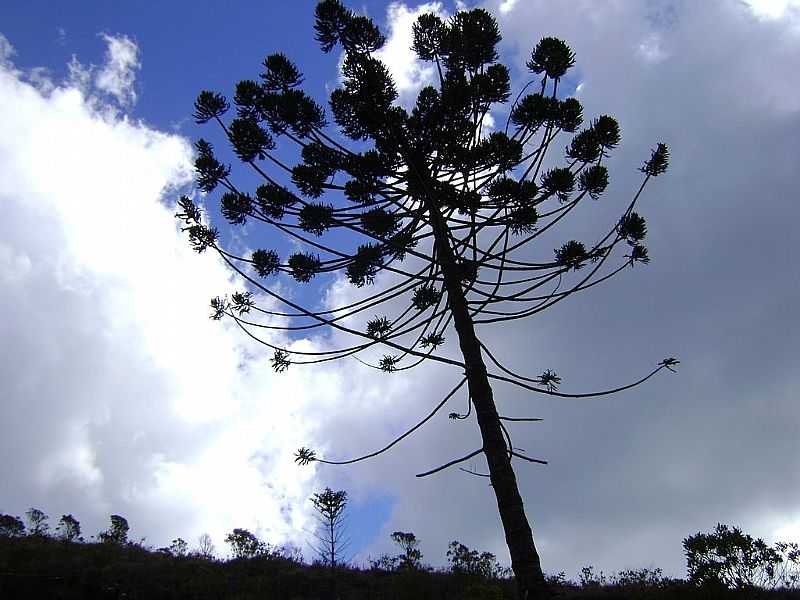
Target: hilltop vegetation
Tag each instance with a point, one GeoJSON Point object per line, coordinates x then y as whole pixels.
{"type": "Point", "coordinates": [36, 562]}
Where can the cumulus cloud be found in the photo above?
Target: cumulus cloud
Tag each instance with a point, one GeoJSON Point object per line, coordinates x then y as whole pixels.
{"type": "Point", "coordinates": [119, 394]}
{"type": "Point", "coordinates": [113, 80]}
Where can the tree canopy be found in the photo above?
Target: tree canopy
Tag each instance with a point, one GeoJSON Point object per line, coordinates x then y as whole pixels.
{"type": "Point", "coordinates": [432, 209]}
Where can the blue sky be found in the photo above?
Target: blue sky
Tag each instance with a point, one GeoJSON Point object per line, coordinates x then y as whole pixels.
{"type": "Point", "coordinates": [185, 46]}
{"type": "Point", "coordinates": [141, 406]}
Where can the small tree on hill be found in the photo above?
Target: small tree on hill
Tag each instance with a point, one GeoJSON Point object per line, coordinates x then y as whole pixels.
{"type": "Point", "coordinates": [435, 205]}
{"type": "Point", "coordinates": [205, 547]}
{"type": "Point", "coordinates": [244, 544]}
{"type": "Point", "coordinates": [411, 558]}
{"type": "Point", "coordinates": [330, 507]}
{"type": "Point", "coordinates": [37, 522]}
{"type": "Point", "coordinates": [69, 529]}
{"type": "Point", "coordinates": [117, 533]}
{"type": "Point", "coordinates": [11, 526]}
{"type": "Point", "coordinates": [178, 548]}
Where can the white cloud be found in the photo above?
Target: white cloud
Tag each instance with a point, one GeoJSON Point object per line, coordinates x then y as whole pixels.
{"type": "Point", "coordinates": [409, 74]}
{"type": "Point", "coordinates": [650, 49]}
{"type": "Point", "coordinates": [774, 9]}
{"type": "Point", "coordinates": [506, 6]}
{"type": "Point", "coordinates": [117, 75]}
{"type": "Point", "coordinates": [6, 52]}
{"type": "Point", "coordinates": [120, 394]}
{"type": "Point", "coordinates": [79, 76]}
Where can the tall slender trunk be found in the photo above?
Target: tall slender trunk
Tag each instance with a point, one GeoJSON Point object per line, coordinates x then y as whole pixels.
{"type": "Point", "coordinates": [519, 537]}
{"type": "Point", "coordinates": [333, 559]}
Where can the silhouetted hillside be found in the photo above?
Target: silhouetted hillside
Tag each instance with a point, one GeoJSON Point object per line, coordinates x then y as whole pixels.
{"type": "Point", "coordinates": [43, 567]}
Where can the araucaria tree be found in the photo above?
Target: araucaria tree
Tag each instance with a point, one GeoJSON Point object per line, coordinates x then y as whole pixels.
{"type": "Point", "coordinates": [433, 204]}
{"type": "Point", "coordinates": [331, 542]}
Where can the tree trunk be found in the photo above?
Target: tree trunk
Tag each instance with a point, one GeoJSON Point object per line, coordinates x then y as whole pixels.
{"type": "Point", "coordinates": [519, 537]}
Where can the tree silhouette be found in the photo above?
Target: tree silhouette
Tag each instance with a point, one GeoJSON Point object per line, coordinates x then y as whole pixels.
{"type": "Point", "coordinates": [735, 559]}
{"type": "Point", "coordinates": [330, 507]}
{"type": "Point", "coordinates": [11, 526]}
{"type": "Point", "coordinates": [205, 546]}
{"type": "Point", "coordinates": [179, 548]}
{"type": "Point", "coordinates": [470, 562]}
{"type": "Point", "coordinates": [37, 522]}
{"type": "Point", "coordinates": [244, 544]}
{"type": "Point", "coordinates": [117, 533]}
{"type": "Point", "coordinates": [435, 205]}
{"type": "Point", "coordinates": [411, 558]}
{"type": "Point", "coordinates": [69, 529]}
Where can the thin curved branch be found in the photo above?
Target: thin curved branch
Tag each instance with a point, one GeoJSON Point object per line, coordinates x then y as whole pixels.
{"type": "Point", "coordinates": [562, 395]}
{"type": "Point", "coordinates": [398, 439]}
{"type": "Point", "coordinates": [451, 463]}
{"type": "Point", "coordinates": [474, 473]}
{"type": "Point", "coordinates": [528, 458]}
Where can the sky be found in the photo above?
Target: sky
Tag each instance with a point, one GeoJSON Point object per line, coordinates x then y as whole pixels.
{"type": "Point", "coordinates": [120, 396]}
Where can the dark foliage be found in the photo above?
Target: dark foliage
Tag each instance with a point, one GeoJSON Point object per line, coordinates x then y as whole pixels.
{"type": "Point", "coordinates": [552, 57]}
{"type": "Point", "coordinates": [265, 262]}
{"type": "Point", "coordinates": [379, 327]}
{"type": "Point", "coordinates": [250, 140]}
{"type": "Point", "coordinates": [273, 200]}
{"type": "Point", "coordinates": [11, 526]}
{"type": "Point", "coordinates": [572, 255]}
{"type": "Point", "coordinates": [593, 180]}
{"type": "Point", "coordinates": [69, 529]}
{"type": "Point", "coordinates": [316, 218]}
{"type": "Point", "coordinates": [37, 522]}
{"type": "Point", "coordinates": [303, 266]}
{"type": "Point", "coordinates": [117, 533]}
{"type": "Point", "coordinates": [280, 74]}
{"type": "Point", "coordinates": [730, 558]}
{"type": "Point", "coordinates": [209, 105]}
{"type": "Point", "coordinates": [365, 265]}
{"type": "Point", "coordinates": [47, 569]}
{"type": "Point", "coordinates": [235, 207]}
{"type": "Point", "coordinates": [35, 566]}
{"type": "Point", "coordinates": [208, 170]}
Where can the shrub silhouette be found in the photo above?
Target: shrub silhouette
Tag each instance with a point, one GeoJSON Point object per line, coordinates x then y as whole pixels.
{"type": "Point", "coordinates": [469, 562]}
{"type": "Point", "coordinates": [36, 566]}
{"type": "Point", "coordinates": [731, 558]}
{"type": "Point", "coordinates": [178, 548]}
{"type": "Point", "coordinates": [11, 526]}
{"type": "Point", "coordinates": [117, 533]}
